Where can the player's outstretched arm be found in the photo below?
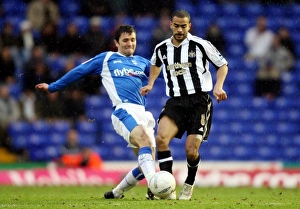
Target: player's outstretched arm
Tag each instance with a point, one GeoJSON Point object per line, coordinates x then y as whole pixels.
{"type": "Point", "coordinates": [42, 87]}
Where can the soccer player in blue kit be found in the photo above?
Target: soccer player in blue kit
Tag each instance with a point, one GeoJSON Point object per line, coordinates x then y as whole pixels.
{"type": "Point", "coordinates": [123, 75]}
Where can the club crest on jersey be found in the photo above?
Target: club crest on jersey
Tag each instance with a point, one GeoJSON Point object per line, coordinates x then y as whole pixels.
{"type": "Point", "coordinates": [192, 54]}
{"type": "Point", "coordinates": [134, 62]}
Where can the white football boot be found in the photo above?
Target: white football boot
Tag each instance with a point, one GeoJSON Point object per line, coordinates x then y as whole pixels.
{"type": "Point", "coordinates": [186, 192]}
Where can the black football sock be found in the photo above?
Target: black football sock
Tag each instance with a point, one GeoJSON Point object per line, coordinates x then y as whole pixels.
{"type": "Point", "coordinates": [165, 161]}
{"type": "Point", "coordinates": [192, 170]}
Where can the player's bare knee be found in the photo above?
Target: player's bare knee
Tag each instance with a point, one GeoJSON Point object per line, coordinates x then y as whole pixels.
{"type": "Point", "coordinates": [161, 142]}
{"type": "Point", "coordinates": [191, 154]}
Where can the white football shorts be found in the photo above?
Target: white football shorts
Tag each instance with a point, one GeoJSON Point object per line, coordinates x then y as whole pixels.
{"type": "Point", "coordinates": [127, 116]}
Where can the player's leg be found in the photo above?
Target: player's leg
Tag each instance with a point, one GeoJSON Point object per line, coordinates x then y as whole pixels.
{"type": "Point", "coordinates": [134, 124]}
{"type": "Point", "coordinates": [197, 131]}
{"type": "Point", "coordinates": [167, 129]}
{"type": "Point", "coordinates": [140, 139]}
{"type": "Point", "coordinates": [193, 142]}
{"type": "Point", "coordinates": [131, 179]}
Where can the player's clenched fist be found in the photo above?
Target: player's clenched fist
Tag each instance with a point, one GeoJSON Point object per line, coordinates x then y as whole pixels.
{"type": "Point", "coordinates": [144, 90]}
{"type": "Point", "coordinates": [42, 87]}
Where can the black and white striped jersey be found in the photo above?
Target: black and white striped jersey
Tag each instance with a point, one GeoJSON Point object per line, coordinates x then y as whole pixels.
{"type": "Point", "coordinates": [186, 67]}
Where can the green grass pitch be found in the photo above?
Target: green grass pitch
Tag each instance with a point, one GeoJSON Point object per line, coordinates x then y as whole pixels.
{"type": "Point", "coordinates": [92, 197]}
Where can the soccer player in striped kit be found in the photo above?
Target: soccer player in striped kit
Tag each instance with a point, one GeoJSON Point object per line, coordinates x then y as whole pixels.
{"type": "Point", "coordinates": [188, 81]}
{"type": "Point", "coordinates": [123, 74]}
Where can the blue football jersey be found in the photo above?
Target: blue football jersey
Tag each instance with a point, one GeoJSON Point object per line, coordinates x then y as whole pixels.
{"type": "Point", "coordinates": [122, 76]}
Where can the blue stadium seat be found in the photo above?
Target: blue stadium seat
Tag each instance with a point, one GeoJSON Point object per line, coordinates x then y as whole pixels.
{"type": "Point", "coordinates": [291, 154]}
{"type": "Point", "coordinates": [243, 23]}
{"type": "Point", "coordinates": [188, 6]}
{"type": "Point", "coordinates": [270, 139]}
{"type": "Point", "coordinates": [37, 155]}
{"type": "Point", "coordinates": [269, 153]}
{"type": "Point", "coordinates": [82, 22]}
{"type": "Point", "coordinates": [207, 9]}
{"type": "Point", "coordinates": [69, 8]}
{"type": "Point", "coordinates": [57, 138]}
{"type": "Point", "coordinates": [285, 103]}
{"type": "Point", "coordinates": [231, 10]}
{"type": "Point", "coordinates": [57, 65]}
{"type": "Point", "coordinates": [103, 152]}
{"type": "Point", "coordinates": [52, 152]}
{"type": "Point", "coordinates": [241, 152]}
{"type": "Point", "coordinates": [60, 126]}
{"type": "Point", "coordinates": [235, 50]}
{"type": "Point", "coordinates": [289, 23]}
{"type": "Point", "coordinates": [244, 115]}
{"type": "Point", "coordinates": [20, 127]}
{"type": "Point", "coordinates": [290, 90]}
{"type": "Point", "coordinates": [249, 140]}
{"type": "Point", "coordinates": [119, 153]}
{"type": "Point", "coordinates": [111, 138]}
{"type": "Point", "coordinates": [292, 115]}
{"type": "Point", "coordinates": [143, 36]}
{"type": "Point", "coordinates": [269, 115]}
{"type": "Point", "coordinates": [296, 140]}
{"type": "Point", "coordinates": [14, 8]}
{"type": "Point", "coordinates": [145, 23]}
{"type": "Point", "coordinates": [20, 141]}
{"type": "Point", "coordinates": [260, 103]}
{"type": "Point", "coordinates": [218, 152]}
{"type": "Point", "coordinates": [253, 10]}
{"type": "Point", "coordinates": [294, 10]}
{"type": "Point", "coordinates": [285, 128]}
{"type": "Point", "coordinates": [19, 132]}
{"type": "Point", "coordinates": [244, 90]}
{"type": "Point", "coordinates": [41, 127]}
{"type": "Point", "coordinates": [274, 10]}
{"type": "Point", "coordinates": [44, 154]}
{"type": "Point", "coordinates": [95, 115]}
{"type": "Point", "coordinates": [143, 49]}
{"type": "Point", "coordinates": [234, 37]}
{"type": "Point", "coordinates": [107, 24]}
{"type": "Point", "coordinates": [262, 128]}
{"type": "Point", "coordinates": [87, 127]}
{"type": "Point", "coordinates": [87, 139]}
{"type": "Point", "coordinates": [38, 139]}
{"type": "Point", "coordinates": [62, 26]}
{"type": "Point", "coordinates": [15, 90]}
{"type": "Point", "coordinates": [15, 20]}
{"type": "Point", "coordinates": [96, 101]}
{"type": "Point", "coordinates": [237, 127]}
{"type": "Point", "coordinates": [178, 152]}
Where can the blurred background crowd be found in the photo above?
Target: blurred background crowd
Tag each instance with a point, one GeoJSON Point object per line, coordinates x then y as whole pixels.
{"type": "Point", "coordinates": [40, 40]}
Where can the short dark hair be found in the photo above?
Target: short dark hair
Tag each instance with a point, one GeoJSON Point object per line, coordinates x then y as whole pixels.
{"type": "Point", "coordinates": [181, 14]}
{"type": "Point", "coordinates": [123, 29]}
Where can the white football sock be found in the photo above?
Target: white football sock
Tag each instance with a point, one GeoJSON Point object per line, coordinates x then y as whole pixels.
{"type": "Point", "coordinates": [131, 179]}
{"type": "Point", "coordinates": [146, 162]}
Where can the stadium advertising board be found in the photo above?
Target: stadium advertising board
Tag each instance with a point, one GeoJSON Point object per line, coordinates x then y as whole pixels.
{"type": "Point", "coordinates": [209, 178]}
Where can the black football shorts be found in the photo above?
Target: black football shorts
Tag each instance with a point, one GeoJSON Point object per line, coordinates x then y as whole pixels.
{"type": "Point", "coordinates": [192, 113]}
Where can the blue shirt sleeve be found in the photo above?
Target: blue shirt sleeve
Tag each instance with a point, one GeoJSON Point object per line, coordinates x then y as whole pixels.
{"type": "Point", "coordinates": [90, 67]}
